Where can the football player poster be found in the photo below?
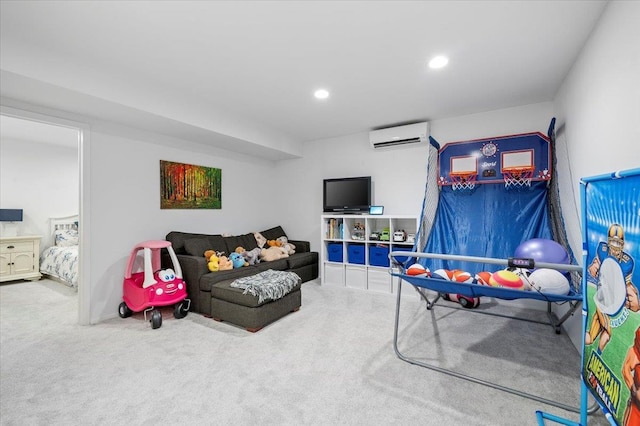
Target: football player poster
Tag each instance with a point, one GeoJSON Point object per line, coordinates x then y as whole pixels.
{"type": "Point", "coordinates": [611, 353]}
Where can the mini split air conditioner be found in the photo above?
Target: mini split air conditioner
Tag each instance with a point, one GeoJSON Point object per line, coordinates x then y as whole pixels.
{"type": "Point", "coordinates": [399, 135]}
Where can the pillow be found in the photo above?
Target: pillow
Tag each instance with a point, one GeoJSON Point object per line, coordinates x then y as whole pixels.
{"type": "Point", "coordinates": [246, 241]}
{"type": "Point", "coordinates": [274, 233]}
{"type": "Point", "coordinates": [197, 246]}
{"type": "Point", "coordinates": [66, 237]}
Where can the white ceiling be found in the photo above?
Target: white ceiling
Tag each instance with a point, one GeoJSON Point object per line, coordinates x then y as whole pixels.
{"type": "Point", "coordinates": [260, 61]}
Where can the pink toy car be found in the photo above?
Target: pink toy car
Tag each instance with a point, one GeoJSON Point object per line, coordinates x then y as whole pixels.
{"type": "Point", "coordinates": [153, 287]}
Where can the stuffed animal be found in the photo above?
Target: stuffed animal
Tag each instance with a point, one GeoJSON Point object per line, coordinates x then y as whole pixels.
{"type": "Point", "coordinates": [236, 260]}
{"type": "Point", "coordinates": [242, 252]}
{"type": "Point", "coordinates": [208, 254]}
{"type": "Point", "coordinates": [274, 243]}
{"type": "Point", "coordinates": [224, 264]}
{"type": "Point", "coordinates": [260, 239]}
{"type": "Point", "coordinates": [252, 256]}
{"type": "Point", "coordinates": [285, 244]}
{"type": "Point", "coordinates": [272, 253]}
{"type": "Point", "coordinates": [213, 261]}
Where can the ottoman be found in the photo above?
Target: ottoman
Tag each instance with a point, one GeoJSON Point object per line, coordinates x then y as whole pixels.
{"type": "Point", "coordinates": [230, 304]}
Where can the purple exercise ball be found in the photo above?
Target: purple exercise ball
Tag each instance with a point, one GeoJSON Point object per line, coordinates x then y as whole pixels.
{"type": "Point", "coordinates": [542, 250]}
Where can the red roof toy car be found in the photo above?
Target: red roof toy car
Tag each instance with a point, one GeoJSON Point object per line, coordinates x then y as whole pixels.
{"type": "Point", "coordinates": [153, 287]}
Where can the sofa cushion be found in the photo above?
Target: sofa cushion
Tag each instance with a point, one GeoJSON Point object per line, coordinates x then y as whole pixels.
{"type": "Point", "coordinates": [299, 260]}
{"type": "Point", "coordinates": [178, 240]}
{"type": "Point", "coordinates": [197, 246]}
{"type": "Point", "coordinates": [273, 233]}
{"type": "Point", "coordinates": [224, 291]}
{"type": "Point", "coordinates": [217, 243]}
{"type": "Point", "coordinates": [246, 241]}
{"type": "Point", "coordinates": [278, 265]}
{"type": "Point", "coordinates": [211, 278]}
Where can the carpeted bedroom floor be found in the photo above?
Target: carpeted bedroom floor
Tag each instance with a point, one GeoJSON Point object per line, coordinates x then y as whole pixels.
{"type": "Point", "coordinates": [331, 363]}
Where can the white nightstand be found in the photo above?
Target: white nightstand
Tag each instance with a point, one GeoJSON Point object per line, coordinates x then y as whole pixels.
{"type": "Point", "coordinates": [20, 258]}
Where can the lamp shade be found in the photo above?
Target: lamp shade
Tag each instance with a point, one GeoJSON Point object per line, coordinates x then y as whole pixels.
{"type": "Point", "coordinates": [10, 215]}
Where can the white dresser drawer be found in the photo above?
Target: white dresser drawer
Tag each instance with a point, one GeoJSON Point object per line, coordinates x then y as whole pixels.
{"type": "Point", "coordinates": [16, 247]}
{"type": "Point", "coordinates": [19, 258]}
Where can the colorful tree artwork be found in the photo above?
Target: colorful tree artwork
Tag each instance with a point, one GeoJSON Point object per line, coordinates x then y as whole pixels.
{"type": "Point", "coordinates": [186, 186]}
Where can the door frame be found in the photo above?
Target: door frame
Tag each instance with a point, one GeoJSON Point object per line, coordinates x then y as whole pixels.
{"type": "Point", "coordinates": [84, 218]}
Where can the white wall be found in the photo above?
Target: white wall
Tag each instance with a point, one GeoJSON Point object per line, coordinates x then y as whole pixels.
{"type": "Point", "coordinates": [125, 203]}
{"type": "Point", "coordinates": [42, 179]}
{"type": "Point", "coordinates": [398, 174]}
{"type": "Point", "coordinates": [598, 111]}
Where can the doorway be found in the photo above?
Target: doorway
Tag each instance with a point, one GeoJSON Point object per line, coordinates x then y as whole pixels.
{"type": "Point", "coordinates": [66, 138]}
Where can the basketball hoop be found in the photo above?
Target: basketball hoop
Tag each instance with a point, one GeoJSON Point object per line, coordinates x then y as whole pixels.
{"type": "Point", "coordinates": [517, 177]}
{"type": "Point", "coordinates": [463, 181]}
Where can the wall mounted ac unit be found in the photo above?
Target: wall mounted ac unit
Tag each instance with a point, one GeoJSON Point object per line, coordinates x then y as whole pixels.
{"type": "Point", "coordinates": [399, 135]}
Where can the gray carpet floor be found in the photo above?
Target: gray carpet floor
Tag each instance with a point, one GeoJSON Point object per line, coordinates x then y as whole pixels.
{"type": "Point", "coordinates": [331, 363]}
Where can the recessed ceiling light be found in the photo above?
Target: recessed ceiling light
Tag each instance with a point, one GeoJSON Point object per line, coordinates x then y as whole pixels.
{"type": "Point", "coordinates": [438, 62]}
{"type": "Point", "coordinates": [321, 94]}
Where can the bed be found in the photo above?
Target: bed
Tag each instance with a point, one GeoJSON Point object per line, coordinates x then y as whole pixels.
{"type": "Point", "coordinates": [59, 261]}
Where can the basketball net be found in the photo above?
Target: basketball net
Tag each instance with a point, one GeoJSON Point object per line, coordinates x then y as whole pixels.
{"type": "Point", "coordinates": [464, 182]}
{"type": "Point", "coordinates": [517, 177]}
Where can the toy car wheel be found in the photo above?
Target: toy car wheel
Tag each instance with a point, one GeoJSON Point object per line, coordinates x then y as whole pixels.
{"type": "Point", "coordinates": [124, 311]}
{"type": "Point", "coordinates": [466, 303]}
{"type": "Point", "coordinates": [156, 319]}
{"type": "Point", "coordinates": [445, 296]}
{"type": "Point", "coordinates": [181, 310]}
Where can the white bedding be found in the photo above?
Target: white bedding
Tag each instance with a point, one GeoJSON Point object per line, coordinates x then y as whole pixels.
{"type": "Point", "coordinates": [61, 260]}
{"type": "Point", "coordinates": [61, 263]}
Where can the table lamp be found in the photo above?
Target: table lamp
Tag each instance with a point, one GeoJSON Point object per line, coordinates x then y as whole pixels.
{"type": "Point", "coordinates": [8, 218]}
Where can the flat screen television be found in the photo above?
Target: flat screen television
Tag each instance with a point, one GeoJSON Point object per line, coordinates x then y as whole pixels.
{"type": "Point", "coordinates": [347, 195]}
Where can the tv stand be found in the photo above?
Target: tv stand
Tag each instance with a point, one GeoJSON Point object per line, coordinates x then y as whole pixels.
{"type": "Point", "coordinates": [355, 254]}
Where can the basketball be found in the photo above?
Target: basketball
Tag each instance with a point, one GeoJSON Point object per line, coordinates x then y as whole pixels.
{"type": "Point", "coordinates": [506, 279]}
{"type": "Point", "coordinates": [549, 281]}
{"type": "Point", "coordinates": [417, 270]}
{"type": "Point", "coordinates": [483, 278]}
{"type": "Point", "coordinates": [462, 276]}
{"type": "Point", "coordinates": [445, 274]}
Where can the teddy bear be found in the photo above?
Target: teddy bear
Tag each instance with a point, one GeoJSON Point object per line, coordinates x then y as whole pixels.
{"type": "Point", "coordinates": [285, 244]}
{"type": "Point", "coordinates": [251, 257]}
{"type": "Point", "coordinates": [236, 260]}
{"type": "Point", "coordinates": [274, 243]}
{"type": "Point", "coordinates": [224, 264]}
{"type": "Point", "coordinates": [212, 260]}
{"type": "Point", "coordinates": [272, 253]}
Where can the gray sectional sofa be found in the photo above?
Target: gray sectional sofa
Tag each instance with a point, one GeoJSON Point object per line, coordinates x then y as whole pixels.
{"type": "Point", "coordinates": [210, 292]}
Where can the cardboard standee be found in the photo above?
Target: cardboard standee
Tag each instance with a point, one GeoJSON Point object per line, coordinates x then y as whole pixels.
{"type": "Point", "coordinates": [611, 301]}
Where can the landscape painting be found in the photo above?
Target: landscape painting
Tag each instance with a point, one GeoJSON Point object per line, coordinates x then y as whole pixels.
{"type": "Point", "coordinates": [186, 186]}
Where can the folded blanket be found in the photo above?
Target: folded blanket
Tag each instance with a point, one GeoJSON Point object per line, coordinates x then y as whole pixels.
{"type": "Point", "coordinates": [269, 284]}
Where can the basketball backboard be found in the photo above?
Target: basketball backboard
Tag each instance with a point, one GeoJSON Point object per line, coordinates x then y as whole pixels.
{"type": "Point", "coordinates": [490, 158]}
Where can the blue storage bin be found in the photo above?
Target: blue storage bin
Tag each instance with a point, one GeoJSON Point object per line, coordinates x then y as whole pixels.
{"type": "Point", "coordinates": [355, 253]}
{"type": "Point", "coordinates": [334, 252]}
{"type": "Point", "coordinates": [379, 256]}
{"type": "Point", "coordinates": [402, 258]}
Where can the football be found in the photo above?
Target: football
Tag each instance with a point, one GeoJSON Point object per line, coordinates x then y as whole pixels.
{"type": "Point", "coordinates": [417, 270]}
{"type": "Point", "coordinates": [549, 281]}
